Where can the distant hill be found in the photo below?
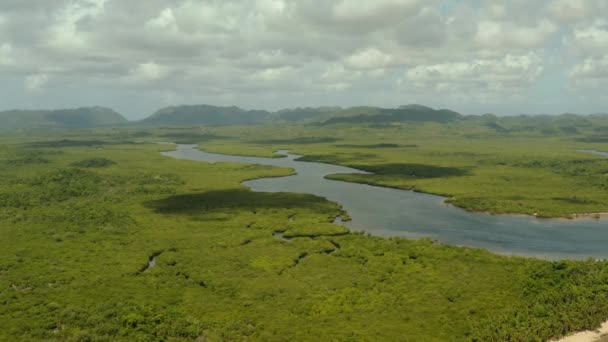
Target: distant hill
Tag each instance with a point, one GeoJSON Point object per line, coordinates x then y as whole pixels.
{"type": "Point", "coordinates": [86, 117]}
{"type": "Point", "coordinates": [217, 116]}
{"type": "Point", "coordinates": [543, 123]}
{"type": "Point", "coordinates": [409, 113]}
{"type": "Point", "coordinates": [307, 114]}
{"type": "Point", "coordinates": [206, 115]}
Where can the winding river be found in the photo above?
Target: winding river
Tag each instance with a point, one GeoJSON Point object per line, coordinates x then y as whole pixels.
{"type": "Point", "coordinates": [392, 212]}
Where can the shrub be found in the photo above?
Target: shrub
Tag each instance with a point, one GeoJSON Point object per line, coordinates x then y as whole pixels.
{"type": "Point", "coordinates": [94, 162]}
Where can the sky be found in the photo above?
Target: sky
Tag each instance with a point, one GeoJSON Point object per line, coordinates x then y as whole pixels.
{"type": "Point", "coordinates": [472, 56]}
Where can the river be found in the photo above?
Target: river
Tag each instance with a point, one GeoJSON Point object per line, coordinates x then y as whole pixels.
{"type": "Point", "coordinates": [392, 212]}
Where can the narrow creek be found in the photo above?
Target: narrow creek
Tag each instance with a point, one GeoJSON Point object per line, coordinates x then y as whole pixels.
{"type": "Point", "coordinates": [151, 262]}
{"type": "Point", "coordinates": [393, 212]}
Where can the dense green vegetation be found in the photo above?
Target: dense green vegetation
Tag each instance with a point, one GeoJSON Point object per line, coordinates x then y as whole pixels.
{"type": "Point", "coordinates": [80, 218]}
{"type": "Point", "coordinates": [93, 162]}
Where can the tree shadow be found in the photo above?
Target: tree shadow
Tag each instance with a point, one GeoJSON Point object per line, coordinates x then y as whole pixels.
{"type": "Point", "coordinates": [413, 170]}
{"type": "Point", "coordinates": [593, 139]}
{"type": "Point", "coordinates": [239, 199]}
{"type": "Point", "coordinates": [302, 140]}
{"type": "Point", "coordinates": [338, 159]}
{"type": "Point", "coordinates": [191, 137]}
{"type": "Point", "coordinates": [385, 145]}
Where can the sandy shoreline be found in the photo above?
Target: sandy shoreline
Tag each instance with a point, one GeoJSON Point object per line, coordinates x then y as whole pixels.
{"type": "Point", "coordinates": [587, 336]}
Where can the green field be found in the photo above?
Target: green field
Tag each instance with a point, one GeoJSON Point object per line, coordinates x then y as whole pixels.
{"type": "Point", "coordinates": [82, 213]}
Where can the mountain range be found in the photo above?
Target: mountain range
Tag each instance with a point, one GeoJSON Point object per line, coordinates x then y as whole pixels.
{"type": "Point", "coordinates": [208, 115]}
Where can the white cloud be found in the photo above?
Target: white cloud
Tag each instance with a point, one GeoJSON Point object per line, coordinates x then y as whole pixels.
{"type": "Point", "coordinates": [35, 83]}
{"type": "Point", "coordinates": [493, 34]}
{"type": "Point", "coordinates": [591, 68]}
{"type": "Point", "coordinates": [570, 10]}
{"type": "Point", "coordinates": [271, 7]}
{"type": "Point", "coordinates": [357, 10]}
{"type": "Point", "coordinates": [370, 58]}
{"type": "Point", "coordinates": [149, 71]}
{"type": "Point", "coordinates": [271, 74]}
{"type": "Point", "coordinates": [6, 54]}
{"type": "Point", "coordinates": [171, 98]}
{"type": "Point", "coordinates": [590, 39]}
{"type": "Point", "coordinates": [337, 72]}
{"type": "Point", "coordinates": [64, 33]}
{"type": "Point", "coordinates": [510, 72]}
{"type": "Point", "coordinates": [165, 20]}
{"type": "Point", "coordinates": [211, 17]}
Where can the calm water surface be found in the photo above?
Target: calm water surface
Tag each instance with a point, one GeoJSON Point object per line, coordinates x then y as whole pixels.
{"type": "Point", "coordinates": [392, 212]}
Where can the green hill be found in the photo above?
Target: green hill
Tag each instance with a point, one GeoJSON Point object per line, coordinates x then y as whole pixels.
{"type": "Point", "coordinates": [410, 113]}
{"type": "Point", "coordinates": [221, 116]}
{"type": "Point", "coordinates": [85, 117]}
{"type": "Point", "coordinates": [307, 114]}
{"type": "Point", "coordinates": [545, 124]}
{"type": "Point", "coordinates": [206, 115]}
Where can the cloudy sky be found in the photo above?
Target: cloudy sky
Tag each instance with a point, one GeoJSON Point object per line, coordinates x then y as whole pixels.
{"type": "Point", "coordinates": [473, 56]}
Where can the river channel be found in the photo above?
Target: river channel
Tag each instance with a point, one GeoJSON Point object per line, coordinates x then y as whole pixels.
{"type": "Point", "coordinates": [393, 212]}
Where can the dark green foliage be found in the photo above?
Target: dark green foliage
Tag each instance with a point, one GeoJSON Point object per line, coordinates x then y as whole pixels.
{"type": "Point", "coordinates": [413, 170]}
{"type": "Point", "coordinates": [191, 137]}
{"type": "Point", "coordinates": [592, 171]}
{"type": "Point", "coordinates": [94, 214]}
{"type": "Point", "coordinates": [594, 139]}
{"type": "Point", "coordinates": [407, 170]}
{"type": "Point", "coordinates": [63, 184]}
{"type": "Point", "coordinates": [74, 183]}
{"type": "Point", "coordinates": [93, 162]}
{"type": "Point", "coordinates": [73, 143]}
{"type": "Point", "coordinates": [125, 321]}
{"type": "Point", "coordinates": [142, 134]}
{"type": "Point", "coordinates": [498, 128]}
{"type": "Point", "coordinates": [575, 200]}
{"type": "Point", "coordinates": [53, 187]}
{"type": "Point", "coordinates": [147, 178]}
{"type": "Point", "coordinates": [297, 141]}
{"type": "Point", "coordinates": [27, 158]}
{"type": "Point", "coordinates": [569, 130]}
{"type": "Point", "coordinates": [238, 199]}
{"type": "Point", "coordinates": [383, 145]}
{"type": "Point", "coordinates": [559, 297]}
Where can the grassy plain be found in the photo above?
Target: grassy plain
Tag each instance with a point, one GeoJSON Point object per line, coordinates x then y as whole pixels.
{"type": "Point", "coordinates": [81, 215]}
